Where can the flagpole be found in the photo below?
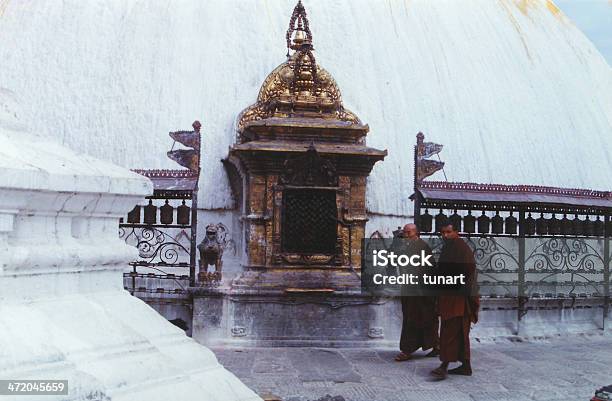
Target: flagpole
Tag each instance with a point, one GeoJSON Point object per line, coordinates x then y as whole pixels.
{"type": "Point", "coordinates": [417, 197]}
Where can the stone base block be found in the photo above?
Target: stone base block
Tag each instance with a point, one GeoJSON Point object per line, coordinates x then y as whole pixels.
{"type": "Point", "coordinates": [222, 316]}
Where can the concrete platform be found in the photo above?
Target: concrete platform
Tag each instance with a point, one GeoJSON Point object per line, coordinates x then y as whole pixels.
{"type": "Point", "coordinates": [559, 368]}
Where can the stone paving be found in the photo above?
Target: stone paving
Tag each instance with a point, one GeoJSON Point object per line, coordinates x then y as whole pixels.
{"type": "Point", "coordinates": [559, 369]}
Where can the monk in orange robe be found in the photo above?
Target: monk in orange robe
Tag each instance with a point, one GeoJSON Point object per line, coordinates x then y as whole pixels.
{"type": "Point", "coordinates": [420, 320]}
{"type": "Point", "coordinates": [457, 312]}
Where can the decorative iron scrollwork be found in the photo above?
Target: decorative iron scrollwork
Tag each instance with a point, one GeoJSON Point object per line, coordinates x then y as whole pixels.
{"type": "Point", "coordinates": [559, 255]}
{"type": "Point", "coordinates": [492, 257]}
{"type": "Point", "coordinates": [156, 246]}
{"type": "Point", "coordinates": [565, 267]}
{"type": "Point", "coordinates": [578, 263]}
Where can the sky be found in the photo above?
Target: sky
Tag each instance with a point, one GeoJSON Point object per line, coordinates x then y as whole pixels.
{"type": "Point", "coordinates": [594, 18]}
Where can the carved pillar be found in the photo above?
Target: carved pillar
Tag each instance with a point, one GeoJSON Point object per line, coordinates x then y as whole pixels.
{"type": "Point", "coordinates": [358, 217]}
{"type": "Point", "coordinates": [256, 220]}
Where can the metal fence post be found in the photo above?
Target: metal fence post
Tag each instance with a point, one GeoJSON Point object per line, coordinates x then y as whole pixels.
{"type": "Point", "coordinates": [134, 272]}
{"type": "Point", "coordinates": [606, 272]}
{"type": "Point", "coordinates": [417, 200]}
{"type": "Point", "coordinates": [194, 231]}
{"type": "Point", "coordinates": [522, 299]}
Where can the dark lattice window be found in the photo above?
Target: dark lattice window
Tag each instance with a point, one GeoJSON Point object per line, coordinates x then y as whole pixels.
{"type": "Point", "coordinates": [309, 221]}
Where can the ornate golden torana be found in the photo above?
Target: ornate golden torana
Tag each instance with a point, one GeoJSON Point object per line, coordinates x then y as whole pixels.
{"type": "Point", "coordinates": [299, 87]}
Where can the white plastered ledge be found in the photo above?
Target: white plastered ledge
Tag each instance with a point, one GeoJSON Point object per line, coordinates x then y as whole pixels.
{"type": "Point", "coordinates": [63, 311]}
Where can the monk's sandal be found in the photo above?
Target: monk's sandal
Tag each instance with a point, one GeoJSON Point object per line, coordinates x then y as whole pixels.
{"type": "Point", "coordinates": [461, 370]}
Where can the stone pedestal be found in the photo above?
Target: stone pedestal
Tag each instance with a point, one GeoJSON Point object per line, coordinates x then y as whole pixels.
{"type": "Point", "coordinates": [224, 316]}
{"type": "Point", "coordinates": [323, 319]}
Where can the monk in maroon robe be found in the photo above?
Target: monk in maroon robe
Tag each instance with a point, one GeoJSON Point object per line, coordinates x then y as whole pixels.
{"type": "Point", "coordinates": [457, 312]}
{"type": "Point", "coordinates": [420, 320]}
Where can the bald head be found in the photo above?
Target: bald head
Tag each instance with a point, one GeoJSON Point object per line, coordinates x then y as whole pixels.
{"type": "Point", "coordinates": [410, 231]}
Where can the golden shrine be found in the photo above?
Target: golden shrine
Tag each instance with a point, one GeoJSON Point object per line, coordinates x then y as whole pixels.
{"type": "Point", "coordinates": [302, 161]}
{"type": "Point", "coordinates": [298, 173]}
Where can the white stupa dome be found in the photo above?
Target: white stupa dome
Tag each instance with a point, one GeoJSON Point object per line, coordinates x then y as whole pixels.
{"type": "Point", "coordinates": [10, 110]}
{"type": "Point", "coordinates": [515, 92]}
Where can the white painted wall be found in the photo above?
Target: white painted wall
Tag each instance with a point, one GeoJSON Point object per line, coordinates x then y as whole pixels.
{"type": "Point", "coordinates": [512, 88]}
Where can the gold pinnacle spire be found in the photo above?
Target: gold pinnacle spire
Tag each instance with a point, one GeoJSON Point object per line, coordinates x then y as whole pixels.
{"type": "Point", "coordinates": [298, 88]}
{"type": "Point", "coordinates": [298, 24]}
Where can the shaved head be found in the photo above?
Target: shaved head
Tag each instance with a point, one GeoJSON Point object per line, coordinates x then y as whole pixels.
{"type": "Point", "coordinates": [410, 231]}
{"type": "Point", "coordinates": [448, 231]}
